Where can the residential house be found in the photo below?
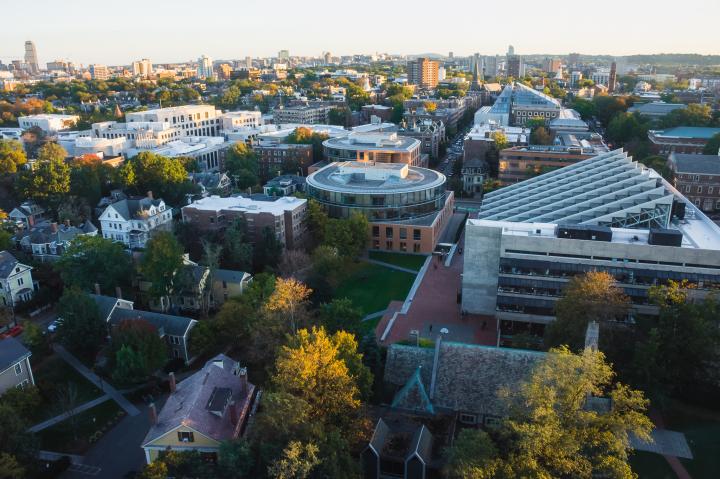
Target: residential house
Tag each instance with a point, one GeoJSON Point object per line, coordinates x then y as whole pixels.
{"type": "Point", "coordinates": [474, 172]}
{"type": "Point", "coordinates": [27, 214]}
{"type": "Point", "coordinates": [174, 330]}
{"type": "Point", "coordinates": [227, 284]}
{"type": "Point", "coordinates": [132, 221]}
{"type": "Point", "coordinates": [212, 183]}
{"type": "Point", "coordinates": [16, 282]}
{"type": "Point", "coordinates": [284, 185]}
{"type": "Point", "coordinates": [202, 411]}
{"type": "Point", "coordinates": [15, 369]}
{"type": "Point", "coordinates": [401, 447]}
{"type": "Point", "coordinates": [47, 241]}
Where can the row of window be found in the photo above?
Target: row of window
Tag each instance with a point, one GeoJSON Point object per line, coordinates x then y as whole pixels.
{"type": "Point", "coordinates": [389, 231]}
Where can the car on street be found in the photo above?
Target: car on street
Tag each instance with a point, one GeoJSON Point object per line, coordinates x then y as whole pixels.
{"type": "Point", "coordinates": [52, 327]}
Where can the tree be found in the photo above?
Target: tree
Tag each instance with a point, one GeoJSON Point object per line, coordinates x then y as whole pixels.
{"type": "Point", "coordinates": [340, 314]}
{"type": "Point", "coordinates": [237, 249]}
{"type": "Point", "coordinates": [501, 141]}
{"type": "Point", "coordinates": [694, 114]}
{"type": "Point", "coordinates": [204, 337]}
{"type": "Point", "coordinates": [589, 297]}
{"type": "Point", "coordinates": [289, 298]}
{"type": "Point", "coordinates": [552, 432]}
{"type": "Point", "coordinates": [712, 147]}
{"type": "Point", "coordinates": [267, 250]}
{"type": "Point", "coordinates": [12, 156]}
{"type": "Point", "coordinates": [242, 165]}
{"type": "Point", "coordinates": [143, 339]}
{"type": "Point", "coordinates": [470, 455]}
{"type": "Point", "coordinates": [10, 468]}
{"type": "Point", "coordinates": [50, 180]}
{"type": "Point", "coordinates": [15, 440]}
{"type": "Point", "coordinates": [24, 401]}
{"type": "Point", "coordinates": [348, 351]}
{"type": "Point", "coordinates": [129, 366]}
{"type": "Point", "coordinates": [166, 177]}
{"type": "Point", "coordinates": [310, 367]}
{"type": "Point", "coordinates": [94, 259]}
{"type": "Point", "coordinates": [81, 328]}
{"type": "Point", "coordinates": [296, 462]}
{"type": "Point", "coordinates": [540, 136]}
{"type": "Point", "coordinates": [348, 236]}
{"type": "Point", "coordinates": [317, 220]}
{"type": "Point", "coordinates": [67, 401]}
{"type": "Point", "coordinates": [163, 257]}
{"type": "Point", "coordinates": [430, 106]}
{"type": "Point", "coordinates": [293, 262]}
{"type": "Point", "coordinates": [235, 459]}
{"type": "Point", "coordinates": [338, 116]}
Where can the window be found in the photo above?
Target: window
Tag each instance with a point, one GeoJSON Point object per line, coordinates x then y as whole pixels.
{"type": "Point", "coordinates": [389, 232]}
{"type": "Point", "coordinates": [376, 231]}
{"type": "Point", "coordinates": [699, 189]}
{"type": "Point", "coordinates": [468, 418]}
{"type": "Point", "coordinates": [416, 248]}
{"type": "Point", "coordinates": [710, 190]}
{"type": "Point", "coordinates": [18, 369]}
{"type": "Point", "coordinates": [417, 235]}
{"type": "Point", "coordinates": [186, 436]}
{"type": "Point", "coordinates": [20, 281]}
{"type": "Point", "coordinates": [403, 233]}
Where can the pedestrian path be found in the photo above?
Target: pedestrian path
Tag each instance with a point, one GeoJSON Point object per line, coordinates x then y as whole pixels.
{"type": "Point", "coordinates": [61, 417]}
{"type": "Point", "coordinates": [95, 379]}
{"type": "Point", "coordinates": [392, 266]}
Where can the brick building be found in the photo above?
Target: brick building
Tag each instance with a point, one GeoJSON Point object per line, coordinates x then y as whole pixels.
{"type": "Point", "coordinates": [698, 178]}
{"type": "Point", "coordinates": [522, 162]}
{"type": "Point", "coordinates": [681, 139]}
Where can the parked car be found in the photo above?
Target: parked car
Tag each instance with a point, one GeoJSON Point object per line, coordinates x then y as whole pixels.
{"type": "Point", "coordinates": [52, 327]}
{"type": "Point", "coordinates": [12, 332]}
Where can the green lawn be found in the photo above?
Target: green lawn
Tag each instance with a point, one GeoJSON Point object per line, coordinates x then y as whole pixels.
{"type": "Point", "coordinates": [409, 261]}
{"type": "Point", "coordinates": [90, 426]}
{"type": "Point", "coordinates": [702, 431]}
{"type": "Point", "coordinates": [371, 287]}
{"type": "Point", "coordinates": [648, 465]}
{"type": "Point", "coordinates": [53, 373]}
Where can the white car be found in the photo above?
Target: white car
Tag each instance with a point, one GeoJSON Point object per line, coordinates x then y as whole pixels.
{"type": "Point", "coordinates": [52, 327]}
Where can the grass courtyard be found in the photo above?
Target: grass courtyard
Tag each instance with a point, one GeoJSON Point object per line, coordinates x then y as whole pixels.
{"type": "Point", "coordinates": [89, 427]}
{"type": "Point", "coordinates": [702, 431]}
{"type": "Point", "coordinates": [371, 287]}
{"type": "Point", "coordinates": [409, 261]}
{"type": "Point", "coordinates": [53, 373]}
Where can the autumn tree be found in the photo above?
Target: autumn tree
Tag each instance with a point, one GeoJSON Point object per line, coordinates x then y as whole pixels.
{"type": "Point", "coordinates": [540, 136]}
{"type": "Point", "coordinates": [592, 296]}
{"type": "Point", "coordinates": [554, 429]}
{"type": "Point", "coordinates": [471, 456]}
{"type": "Point", "coordinates": [148, 348]}
{"type": "Point", "coordinates": [296, 462]}
{"type": "Point", "coordinates": [12, 156]}
{"type": "Point", "coordinates": [49, 182]}
{"type": "Point", "coordinates": [289, 298]}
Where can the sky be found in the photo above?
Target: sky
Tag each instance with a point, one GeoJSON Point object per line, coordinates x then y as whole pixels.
{"type": "Point", "coordinates": [116, 33]}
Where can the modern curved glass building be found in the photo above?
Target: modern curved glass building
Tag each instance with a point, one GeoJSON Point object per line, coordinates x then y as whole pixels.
{"type": "Point", "coordinates": [378, 147]}
{"type": "Point", "coordinates": [407, 200]}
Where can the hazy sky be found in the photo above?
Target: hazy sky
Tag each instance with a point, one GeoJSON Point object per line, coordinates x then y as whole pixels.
{"type": "Point", "coordinates": [100, 31]}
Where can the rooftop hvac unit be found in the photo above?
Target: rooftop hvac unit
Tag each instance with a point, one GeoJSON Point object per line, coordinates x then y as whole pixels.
{"type": "Point", "coordinates": [665, 237]}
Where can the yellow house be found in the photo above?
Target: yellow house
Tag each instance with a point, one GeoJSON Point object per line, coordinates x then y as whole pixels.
{"type": "Point", "coordinates": [205, 409]}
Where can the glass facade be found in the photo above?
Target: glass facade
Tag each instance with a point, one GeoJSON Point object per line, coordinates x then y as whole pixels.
{"type": "Point", "coordinates": [381, 206]}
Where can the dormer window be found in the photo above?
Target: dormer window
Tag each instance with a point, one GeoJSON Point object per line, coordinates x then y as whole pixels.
{"type": "Point", "coordinates": [17, 270]}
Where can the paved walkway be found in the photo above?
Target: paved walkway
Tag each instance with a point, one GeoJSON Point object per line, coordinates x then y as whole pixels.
{"type": "Point", "coordinates": [95, 379]}
{"type": "Point", "coordinates": [64, 416]}
{"type": "Point", "coordinates": [674, 462]}
{"type": "Point", "coordinates": [392, 266]}
{"type": "Point", "coordinates": [435, 306]}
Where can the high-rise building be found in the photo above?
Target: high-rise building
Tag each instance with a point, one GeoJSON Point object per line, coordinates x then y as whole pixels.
{"type": "Point", "coordinates": [573, 59]}
{"type": "Point", "coordinates": [492, 63]}
{"type": "Point", "coordinates": [142, 68]}
{"type": "Point", "coordinates": [515, 67]}
{"type": "Point", "coordinates": [511, 50]}
{"type": "Point", "coordinates": [327, 56]}
{"type": "Point", "coordinates": [99, 72]}
{"type": "Point", "coordinates": [575, 78]}
{"type": "Point", "coordinates": [205, 67]}
{"type": "Point", "coordinates": [248, 62]}
{"type": "Point", "coordinates": [451, 55]}
{"type": "Point", "coordinates": [283, 55]}
{"type": "Point", "coordinates": [552, 65]}
{"type": "Point", "coordinates": [423, 72]}
{"type": "Point", "coordinates": [612, 81]}
{"type": "Point", "coordinates": [31, 57]}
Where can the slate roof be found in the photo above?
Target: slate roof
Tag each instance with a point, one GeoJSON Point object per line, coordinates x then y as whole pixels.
{"type": "Point", "coordinates": [468, 376]}
{"type": "Point", "coordinates": [188, 405]}
{"type": "Point", "coordinates": [7, 264]}
{"type": "Point", "coordinates": [230, 276]}
{"type": "Point", "coordinates": [167, 323]}
{"type": "Point", "coordinates": [129, 208]}
{"type": "Point", "coordinates": [11, 352]}
{"type": "Point", "coordinates": [42, 232]}
{"type": "Point", "coordinates": [105, 305]}
{"type": "Point", "coordinates": [697, 164]}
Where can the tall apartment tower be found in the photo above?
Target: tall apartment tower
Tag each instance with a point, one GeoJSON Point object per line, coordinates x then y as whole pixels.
{"type": "Point", "coordinates": [284, 55]}
{"type": "Point", "coordinates": [423, 72]}
{"type": "Point", "coordinates": [515, 67]}
{"type": "Point", "coordinates": [205, 67]}
{"type": "Point", "coordinates": [612, 81]}
{"type": "Point", "coordinates": [142, 68]}
{"type": "Point", "coordinates": [31, 57]}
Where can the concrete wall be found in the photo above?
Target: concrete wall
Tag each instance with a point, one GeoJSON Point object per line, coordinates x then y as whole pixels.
{"type": "Point", "coordinates": [481, 268]}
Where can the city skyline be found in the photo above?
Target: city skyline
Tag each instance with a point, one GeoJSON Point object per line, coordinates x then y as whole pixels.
{"type": "Point", "coordinates": [236, 31]}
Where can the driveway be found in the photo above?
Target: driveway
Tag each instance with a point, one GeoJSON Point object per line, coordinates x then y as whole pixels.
{"type": "Point", "coordinates": [118, 452]}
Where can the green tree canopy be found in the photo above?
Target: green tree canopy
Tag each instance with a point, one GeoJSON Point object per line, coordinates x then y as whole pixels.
{"type": "Point", "coordinates": [81, 329]}
{"type": "Point", "coordinates": [150, 351]}
{"type": "Point", "coordinates": [94, 259]}
{"type": "Point", "coordinates": [242, 165]}
{"type": "Point", "coordinates": [49, 182]}
{"type": "Point", "coordinates": [160, 262]}
{"type": "Point", "coordinates": [165, 177]}
{"type": "Point", "coordinates": [712, 147]}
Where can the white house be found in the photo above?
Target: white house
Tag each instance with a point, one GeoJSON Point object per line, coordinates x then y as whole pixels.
{"type": "Point", "coordinates": [131, 221]}
{"type": "Point", "coordinates": [50, 123]}
{"type": "Point", "coordinates": [16, 282]}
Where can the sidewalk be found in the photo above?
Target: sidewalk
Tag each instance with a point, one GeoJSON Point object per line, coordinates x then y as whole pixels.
{"type": "Point", "coordinates": [93, 378]}
{"type": "Point", "coordinates": [392, 266]}
{"type": "Point", "coordinates": [54, 420]}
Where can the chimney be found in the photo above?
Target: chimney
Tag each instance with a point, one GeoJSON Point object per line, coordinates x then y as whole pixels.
{"type": "Point", "coordinates": [153, 414]}
{"type": "Point", "coordinates": [54, 227]}
{"type": "Point", "coordinates": [31, 220]}
{"type": "Point", "coordinates": [242, 374]}
{"type": "Point", "coordinates": [173, 384]}
{"type": "Point", "coordinates": [234, 413]}
{"type": "Point", "coordinates": [149, 194]}
{"type": "Point", "coordinates": [118, 292]}
{"type": "Point", "coordinates": [97, 289]}
{"type": "Point", "coordinates": [436, 360]}
{"type": "Point", "coordinates": [592, 335]}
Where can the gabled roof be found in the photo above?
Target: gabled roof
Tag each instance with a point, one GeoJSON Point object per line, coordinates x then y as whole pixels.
{"type": "Point", "coordinates": [188, 405]}
{"type": "Point", "coordinates": [696, 164]}
{"type": "Point", "coordinates": [11, 353]}
{"type": "Point", "coordinates": [165, 323]}
{"type": "Point", "coordinates": [105, 305]}
{"type": "Point", "coordinates": [128, 209]}
{"type": "Point", "coordinates": [609, 190]}
{"type": "Point", "coordinates": [230, 276]}
{"type": "Point", "coordinates": [413, 396]}
{"type": "Point", "coordinates": [8, 263]}
{"type": "Point", "coordinates": [421, 445]}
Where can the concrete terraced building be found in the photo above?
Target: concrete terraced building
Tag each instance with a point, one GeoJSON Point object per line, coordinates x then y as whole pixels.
{"type": "Point", "coordinates": [607, 213]}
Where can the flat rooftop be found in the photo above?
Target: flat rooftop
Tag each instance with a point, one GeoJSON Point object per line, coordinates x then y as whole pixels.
{"type": "Point", "coordinates": [378, 178]}
{"type": "Point", "coordinates": [249, 205]}
{"type": "Point", "coordinates": [702, 132]}
{"type": "Point", "coordinates": [373, 141]}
